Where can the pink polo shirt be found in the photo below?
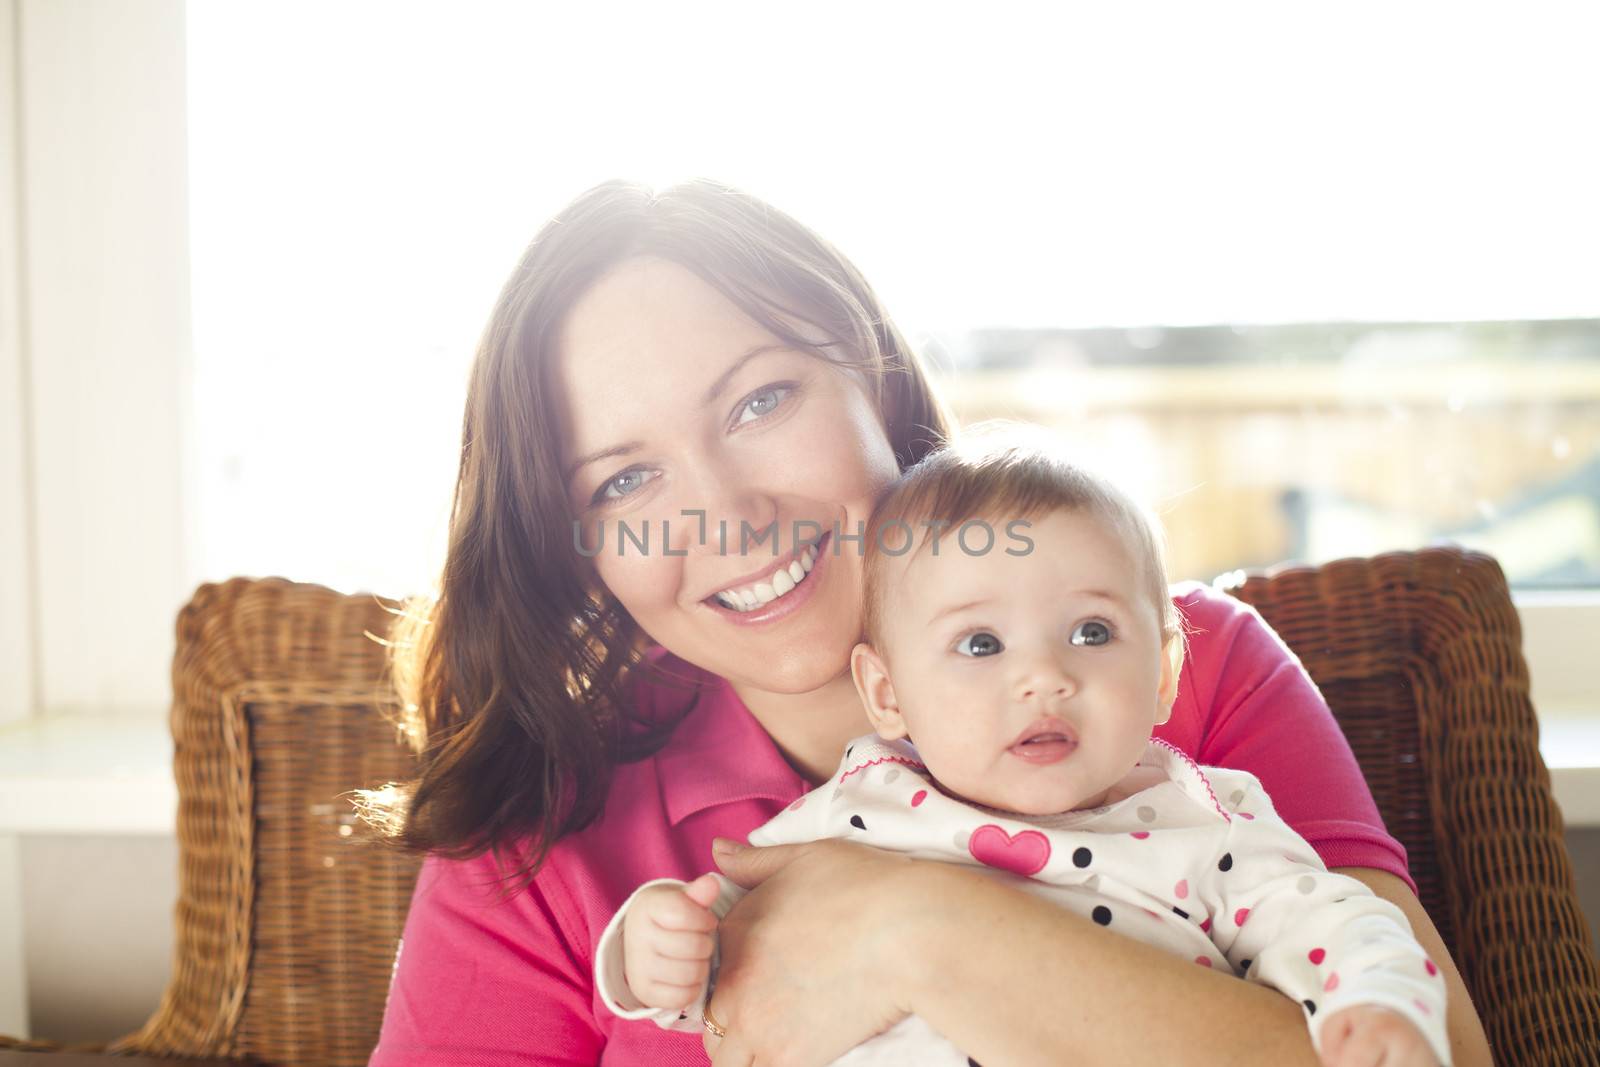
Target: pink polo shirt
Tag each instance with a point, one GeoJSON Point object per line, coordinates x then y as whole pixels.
{"type": "Point", "coordinates": [478, 982]}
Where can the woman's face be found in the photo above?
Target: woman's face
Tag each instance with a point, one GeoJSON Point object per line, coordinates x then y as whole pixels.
{"type": "Point", "coordinates": [678, 404]}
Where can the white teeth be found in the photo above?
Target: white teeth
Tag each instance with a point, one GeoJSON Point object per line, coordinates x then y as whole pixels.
{"type": "Point", "coordinates": [781, 582]}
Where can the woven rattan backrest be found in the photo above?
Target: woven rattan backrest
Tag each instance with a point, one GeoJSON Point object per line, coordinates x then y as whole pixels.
{"type": "Point", "coordinates": [286, 925]}
{"type": "Point", "coordinates": [1420, 656]}
{"type": "Point", "coordinates": [288, 914]}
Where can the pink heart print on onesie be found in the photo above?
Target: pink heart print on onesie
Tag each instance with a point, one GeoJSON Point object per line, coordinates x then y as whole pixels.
{"type": "Point", "coordinates": [1025, 854]}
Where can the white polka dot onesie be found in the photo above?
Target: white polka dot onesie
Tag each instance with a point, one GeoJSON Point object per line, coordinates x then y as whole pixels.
{"type": "Point", "coordinates": [1197, 863]}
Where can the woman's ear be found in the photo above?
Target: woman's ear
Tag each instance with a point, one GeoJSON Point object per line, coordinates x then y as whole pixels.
{"type": "Point", "coordinates": [876, 692]}
{"type": "Point", "coordinates": [1171, 665]}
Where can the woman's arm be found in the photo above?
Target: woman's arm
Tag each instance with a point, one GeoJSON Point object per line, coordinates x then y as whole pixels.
{"type": "Point", "coordinates": [1039, 985]}
{"type": "Point", "coordinates": [839, 941]}
{"type": "Point", "coordinates": [1469, 1045]}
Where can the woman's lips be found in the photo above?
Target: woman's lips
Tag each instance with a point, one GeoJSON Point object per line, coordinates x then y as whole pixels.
{"type": "Point", "coordinates": [785, 605]}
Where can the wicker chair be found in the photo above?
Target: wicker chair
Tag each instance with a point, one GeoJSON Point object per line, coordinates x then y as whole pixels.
{"type": "Point", "coordinates": [288, 916]}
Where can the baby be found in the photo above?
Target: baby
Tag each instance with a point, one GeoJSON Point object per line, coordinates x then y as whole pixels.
{"type": "Point", "coordinates": [1029, 667]}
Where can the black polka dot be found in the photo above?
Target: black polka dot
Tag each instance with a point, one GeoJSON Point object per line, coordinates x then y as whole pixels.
{"type": "Point", "coordinates": [1311, 1006]}
{"type": "Point", "coordinates": [1244, 965]}
{"type": "Point", "coordinates": [1082, 857]}
{"type": "Point", "coordinates": [855, 820]}
{"type": "Point", "coordinates": [1180, 913]}
{"type": "Point", "coordinates": [973, 1063]}
{"type": "Point", "coordinates": [1226, 862]}
{"type": "Point", "coordinates": [1101, 915]}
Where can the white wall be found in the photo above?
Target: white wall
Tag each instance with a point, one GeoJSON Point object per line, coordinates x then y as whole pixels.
{"type": "Point", "coordinates": [17, 595]}
{"type": "Point", "coordinates": [95, 506]}
{"type": "Point", "coordinates": [94, 353]}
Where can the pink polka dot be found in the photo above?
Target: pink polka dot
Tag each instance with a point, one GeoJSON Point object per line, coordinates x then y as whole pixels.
{"type": "Point", "coordinates": [1331, 984]}
{"type": "Point", "coordinates": [1205, 927]}
{"type": "Point", "coordinates": [1240, 916]}
{"type": "Point", "coordinates": [1139, 835]}
{"type": "Point", "coordinates": [1181, 890]}
{"type": "Point", "coordinates": [1316, 955]}
{"type": "Point", "coordinates": [1247, 816]}
{"type": "Point", "coordinates": [796, 805]}
{"type": "Point", "coordinates": [918, 797]}
{"type": "Point", "coordinates": [1432, 970]}
{"type": "Point", "coordinates": [1204, 961]}
{"type": "Point", "coordinates": [1423, 1008]}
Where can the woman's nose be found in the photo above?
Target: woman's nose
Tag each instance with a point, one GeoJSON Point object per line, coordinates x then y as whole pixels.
{"type": "Point", "coordinates": [735, 516]}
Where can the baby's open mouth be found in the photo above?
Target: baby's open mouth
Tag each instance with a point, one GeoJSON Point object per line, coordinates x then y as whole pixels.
{"type": "Point", "coordinates": [1046, 741]}
{"type": "Point", "coordinates": [775, 585]}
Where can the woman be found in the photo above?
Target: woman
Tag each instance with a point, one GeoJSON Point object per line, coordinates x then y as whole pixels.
{"type": "Point", "coordinates": [673, 389]}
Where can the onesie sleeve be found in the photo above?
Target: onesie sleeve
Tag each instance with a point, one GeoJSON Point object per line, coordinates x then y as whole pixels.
{"type": "Point", "coordinates": [1250, 705]}
{"type": "Point", "coordinates": [611, 977]}
{"type": "Point", "coordinates": [1322, 939]}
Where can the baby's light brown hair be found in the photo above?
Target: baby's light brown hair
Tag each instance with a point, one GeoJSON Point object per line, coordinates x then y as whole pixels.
{"type": "Point", "coordinates": [997, 473]}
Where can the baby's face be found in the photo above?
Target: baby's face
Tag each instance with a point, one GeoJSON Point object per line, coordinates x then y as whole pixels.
{"type": "Point", "coordinates": [1028, 683]}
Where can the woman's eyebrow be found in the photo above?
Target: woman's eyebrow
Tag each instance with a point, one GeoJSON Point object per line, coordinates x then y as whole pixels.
{"type": "Point", "coordinates": [625, 449]}
{"type": "Point", "coordinates": [726, 376]}
{"type": "Point", "coordinates": [630, 447]}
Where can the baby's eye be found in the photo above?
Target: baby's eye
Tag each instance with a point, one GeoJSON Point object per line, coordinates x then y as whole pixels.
{"type": "Point", "coordinates": [761, 404]}
{"type": "Point", "coordinates": [620, 485]}
{"type": "Point", "coordinates": [981, 643]}
{"type": "Point", "coordinates": [1091, 632]}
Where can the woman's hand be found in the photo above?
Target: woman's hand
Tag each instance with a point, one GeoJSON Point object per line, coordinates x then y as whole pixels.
{"type": "Point", "coordinates": [808, 965]}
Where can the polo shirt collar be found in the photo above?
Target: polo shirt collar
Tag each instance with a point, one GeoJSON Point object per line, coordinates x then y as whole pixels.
{"type": "Point", "coordinates": [719, 754]}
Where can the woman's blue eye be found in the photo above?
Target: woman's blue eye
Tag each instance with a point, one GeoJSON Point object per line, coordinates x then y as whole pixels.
{"type": "Point", "coordinates": [619, 486]}
{"type": "Point", "coordinates": [759, 405]}
{"type": "Point", "coordinates": [981, 643]}
{"type": "Point", "coordinates": [1091, 632]}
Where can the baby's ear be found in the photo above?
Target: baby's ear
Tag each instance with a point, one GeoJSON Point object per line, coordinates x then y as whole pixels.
{"type": "Point", "coordinates": [877, 692]}
{"type": "Point", "coordinates": [1171, 665]}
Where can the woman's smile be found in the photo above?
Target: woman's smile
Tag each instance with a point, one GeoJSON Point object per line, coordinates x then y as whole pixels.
{"type": "Point", "coordinates": [778, 592]}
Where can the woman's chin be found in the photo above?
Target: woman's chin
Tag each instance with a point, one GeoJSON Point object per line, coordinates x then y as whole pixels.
{"type": "Point", "coordinates": [797, 673]}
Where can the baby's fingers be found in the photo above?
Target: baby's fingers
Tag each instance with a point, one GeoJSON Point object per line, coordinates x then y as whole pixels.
{"type": "Point", "coordinates": [677, 911]}
{"type": "Point", "coordinates": [1363, 1047]}
{"type": "Point", "coordinates": [681, 944]}
{"type": "Point", "coordinates": [704, 890]}
{"type": "Point", "coordinates": [665, 994]}
{"type": "Point", "coordinates": [666, 983]}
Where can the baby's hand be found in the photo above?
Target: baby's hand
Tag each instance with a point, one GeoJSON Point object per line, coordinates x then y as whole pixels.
{"type": "Point", "coordinates": [666, 943]}
{"type": "Point", "coordinates": [1365, 1035]}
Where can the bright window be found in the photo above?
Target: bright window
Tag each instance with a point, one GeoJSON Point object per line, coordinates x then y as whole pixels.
{"type": "Point", "coordinates": [1311, 290]}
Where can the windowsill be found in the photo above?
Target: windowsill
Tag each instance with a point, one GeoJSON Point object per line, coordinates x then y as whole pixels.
{"type": "Point", "coordinates": [112, 774]}
{"type": "Point", "coordinates": [88, 774]}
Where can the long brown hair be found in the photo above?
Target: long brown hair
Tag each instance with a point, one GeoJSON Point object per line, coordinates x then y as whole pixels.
{"type": "Point", "coordinates": [514, 673]}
